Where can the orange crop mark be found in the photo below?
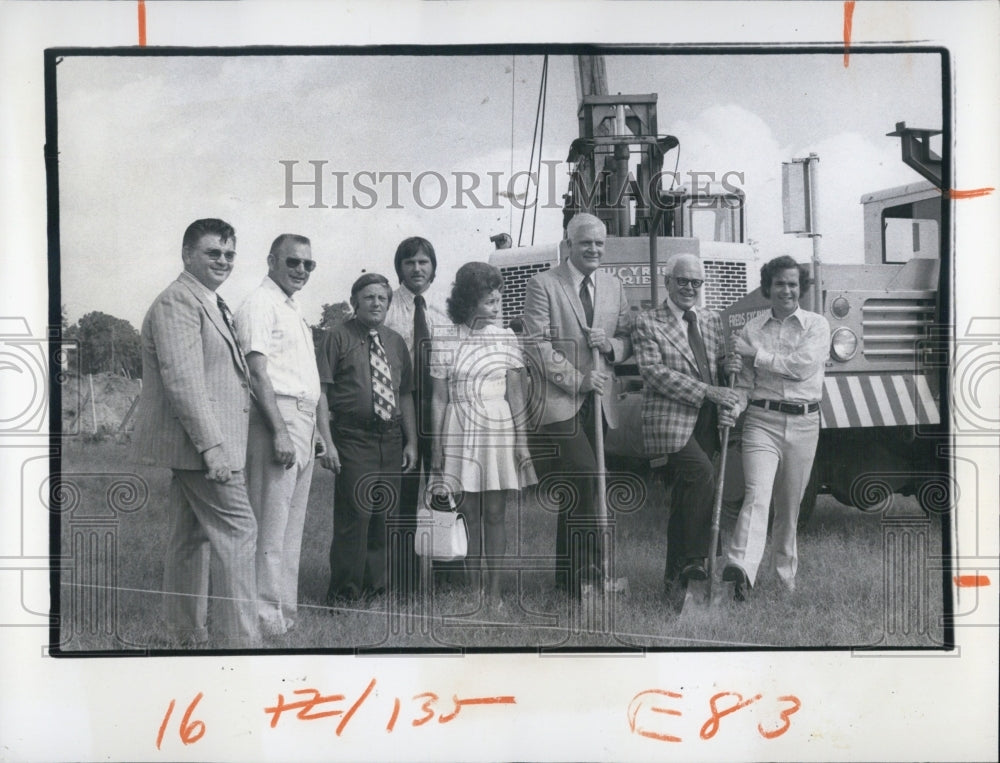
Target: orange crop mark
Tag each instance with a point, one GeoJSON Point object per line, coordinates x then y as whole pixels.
{"type": "Point", "coordinates": [142, 23]}
{"type": "Point", "coordinates": [970, 194]}
{"type": "Point", "coordinates": [848, 23]}
{"type": "Point", "coordinates": [971, 581]}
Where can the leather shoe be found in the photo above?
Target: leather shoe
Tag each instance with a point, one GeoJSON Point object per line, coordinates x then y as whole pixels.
{"type": "Point", "coordinates": [739, 580]}
{"type": "Point", "coordinates": [694, 569]}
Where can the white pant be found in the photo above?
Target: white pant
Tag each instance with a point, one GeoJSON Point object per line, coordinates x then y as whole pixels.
{"type": "Point", "coordinates": [279, 497]}
{"type": "Point", "coordinates": [778, 452]}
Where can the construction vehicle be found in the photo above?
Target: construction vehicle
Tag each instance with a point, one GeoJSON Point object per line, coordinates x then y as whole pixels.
{"type": "Point", "coordinates": [617, 174]}
{"type": "Point", "coordinates": [881, 420]}
{"type": "Point", "coordinates": [880, 412]}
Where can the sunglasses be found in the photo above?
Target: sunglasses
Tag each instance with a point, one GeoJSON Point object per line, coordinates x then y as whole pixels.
{"type": "Point", "coordinates": [294, 262]}
{"type": "Point", "coordinates": [215, 254]}
{"type": "Point", "coordinates": [694, 283]}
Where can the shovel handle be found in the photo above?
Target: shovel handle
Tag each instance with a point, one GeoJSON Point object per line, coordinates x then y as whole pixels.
{"type": "Point", "coordinates": [602, 505]}
{"type": "Point", "coordinates": [717, 505]}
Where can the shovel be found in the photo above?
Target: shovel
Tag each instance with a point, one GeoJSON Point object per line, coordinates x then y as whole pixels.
{"type": "Point", "coordinates": [699, 592]}
{"type": "Point", "coordinates": [608, 585]}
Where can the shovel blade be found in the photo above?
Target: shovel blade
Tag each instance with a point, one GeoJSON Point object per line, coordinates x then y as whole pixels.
{"type": "Point", "coordinates": [699, 596]}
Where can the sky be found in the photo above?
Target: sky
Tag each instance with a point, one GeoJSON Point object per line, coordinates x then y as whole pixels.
{"type": "Point", "coordinates": [148, 144]}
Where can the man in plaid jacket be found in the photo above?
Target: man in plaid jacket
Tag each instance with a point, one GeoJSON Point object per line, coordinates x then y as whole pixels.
{"type": "Point", "coordinates": [681, 353]}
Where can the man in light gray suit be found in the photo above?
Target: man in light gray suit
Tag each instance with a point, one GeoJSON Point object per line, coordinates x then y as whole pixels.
{"type": "Point", "coordinates": [193, 418]}
{"type": "Point", "coordinates": [569, 311]}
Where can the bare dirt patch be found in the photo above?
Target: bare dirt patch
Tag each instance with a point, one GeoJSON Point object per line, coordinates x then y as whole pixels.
{"type": "Point", "coordinates": [113, 396]}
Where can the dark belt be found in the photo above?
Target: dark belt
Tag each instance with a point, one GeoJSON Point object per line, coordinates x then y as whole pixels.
{"type": "Point", "coordinates": [795, 409]}
{"type": "Point", "coordinates": [369, 424]}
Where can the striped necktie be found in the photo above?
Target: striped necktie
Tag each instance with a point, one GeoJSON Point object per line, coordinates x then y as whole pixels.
{"type": "Point", "coordinates": [383, 399]}
{"type": "Point", "coordinates": [698, 346]}
{"type": "Point", "coordinates": [227, 315]}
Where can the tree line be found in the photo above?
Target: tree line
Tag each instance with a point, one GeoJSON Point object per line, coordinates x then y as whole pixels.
{"type": "Point", "coordinates": [106, 344]}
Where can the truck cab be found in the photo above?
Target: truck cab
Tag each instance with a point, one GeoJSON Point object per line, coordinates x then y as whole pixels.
{"type": "Point", "coordinates": [880, 411]}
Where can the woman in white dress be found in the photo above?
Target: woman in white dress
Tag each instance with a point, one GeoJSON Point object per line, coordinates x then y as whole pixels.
{"type": "Point", "coordinates": [478, 410]}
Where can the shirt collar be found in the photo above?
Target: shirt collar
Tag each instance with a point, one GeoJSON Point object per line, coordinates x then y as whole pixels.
{"type": "Point", "coordinates": [404, 293]}
{"type": "Point", "coordinates": [279, 293]}
{"type": "Point", "coordinates": [797, 315]}
{"type": "Point", "coordinates": [577, 277]}
{"type": "Point", "coordinates": [363, 330]}
{"type": "Point", "coordinates": [677, 311]}
{"type": "Point", "coordinates": [408, 296]}
{"type": "Point", "coordinates": [206, 293]}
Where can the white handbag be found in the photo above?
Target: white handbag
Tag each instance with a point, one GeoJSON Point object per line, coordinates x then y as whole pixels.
{"type": "Point", "coordinates": [441, 536]}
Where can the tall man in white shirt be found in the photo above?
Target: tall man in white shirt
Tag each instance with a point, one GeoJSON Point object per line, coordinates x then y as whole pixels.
{"type": "Point", "coordinates": [415, 310]}
{"type": "Point", "coordinates": [784, 355]}
{"type": "Point", "coordinates": [278, 346]}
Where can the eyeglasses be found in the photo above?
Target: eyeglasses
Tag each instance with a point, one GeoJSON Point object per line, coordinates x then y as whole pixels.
{"type": "Point", "coordinates": [294, 262]}
{"type": "Point", "coordinates": [215, 254]}
{"type": "Point", "coordinates": [694, 283]}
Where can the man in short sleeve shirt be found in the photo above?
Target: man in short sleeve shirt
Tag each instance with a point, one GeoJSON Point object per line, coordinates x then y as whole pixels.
{"type": "Point", "coordinates": [366, 376]}
{"type": "Point", "coordinates": [279, 350]}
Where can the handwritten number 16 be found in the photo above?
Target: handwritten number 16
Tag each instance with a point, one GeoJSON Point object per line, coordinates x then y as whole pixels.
{"type": "Point", "coordinates": [189, 731]}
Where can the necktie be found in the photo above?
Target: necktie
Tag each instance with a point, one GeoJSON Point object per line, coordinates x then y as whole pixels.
{"type": "Point", "coordinates": [227, 316]}
{"type": "Point", "coordinates": [421, 366]}
{"type": "Point", "coordinates": [588, 303]}
{"type": "Point", "coordinates": [698, 346]}
{"type": "Point", "coordinates": [383, 399]}
{"type": "Point", "coordinates": [421, 335]}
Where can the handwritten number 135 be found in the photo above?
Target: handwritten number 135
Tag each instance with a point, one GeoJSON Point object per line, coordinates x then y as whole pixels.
{"type": "Point", "coordinates": [189, 731]}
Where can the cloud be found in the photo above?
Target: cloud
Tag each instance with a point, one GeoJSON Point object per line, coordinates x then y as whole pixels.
{"type": "Point", "coordinates": [728, 138]}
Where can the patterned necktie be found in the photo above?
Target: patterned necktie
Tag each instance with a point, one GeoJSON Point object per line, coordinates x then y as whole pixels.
{"type": "Point", "coordinates": [383, 400]}
{"type": "Point", "coordinates": [698, 346]}
{"type": "Point", "coordinates": [227, 316]}
{"type": "Point", "coordinates": [588, 303]}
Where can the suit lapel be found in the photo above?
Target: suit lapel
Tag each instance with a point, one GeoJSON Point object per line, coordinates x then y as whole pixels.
{"type": "Point", "coordinates": [572, 296]}
{"type": "Point", "coordinates": [677, 335]}
{"type": "Point", "coordinates": [711, 339]}
{"type": "Point", "coordinates": [606, 287]}
{"type": "Point", "coordinates": [215, 316]}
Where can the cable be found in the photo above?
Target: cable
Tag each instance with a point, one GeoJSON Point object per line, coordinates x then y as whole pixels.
{"type": "Point", "coordinates": [534, 140]}
{"type": "Point", "coordinates": [513, 80]}
{"type": "Point", "coordinates": [541, 141]}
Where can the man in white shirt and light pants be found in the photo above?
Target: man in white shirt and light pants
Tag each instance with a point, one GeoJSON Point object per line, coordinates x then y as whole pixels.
{"type": "Point", "coordinates": [279, 349]}
{"type": "Point", "coordinates": [784, 355]}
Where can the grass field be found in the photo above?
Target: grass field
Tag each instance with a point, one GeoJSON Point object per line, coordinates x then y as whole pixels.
{"type": "Point", "coordinates": [864, 580]}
